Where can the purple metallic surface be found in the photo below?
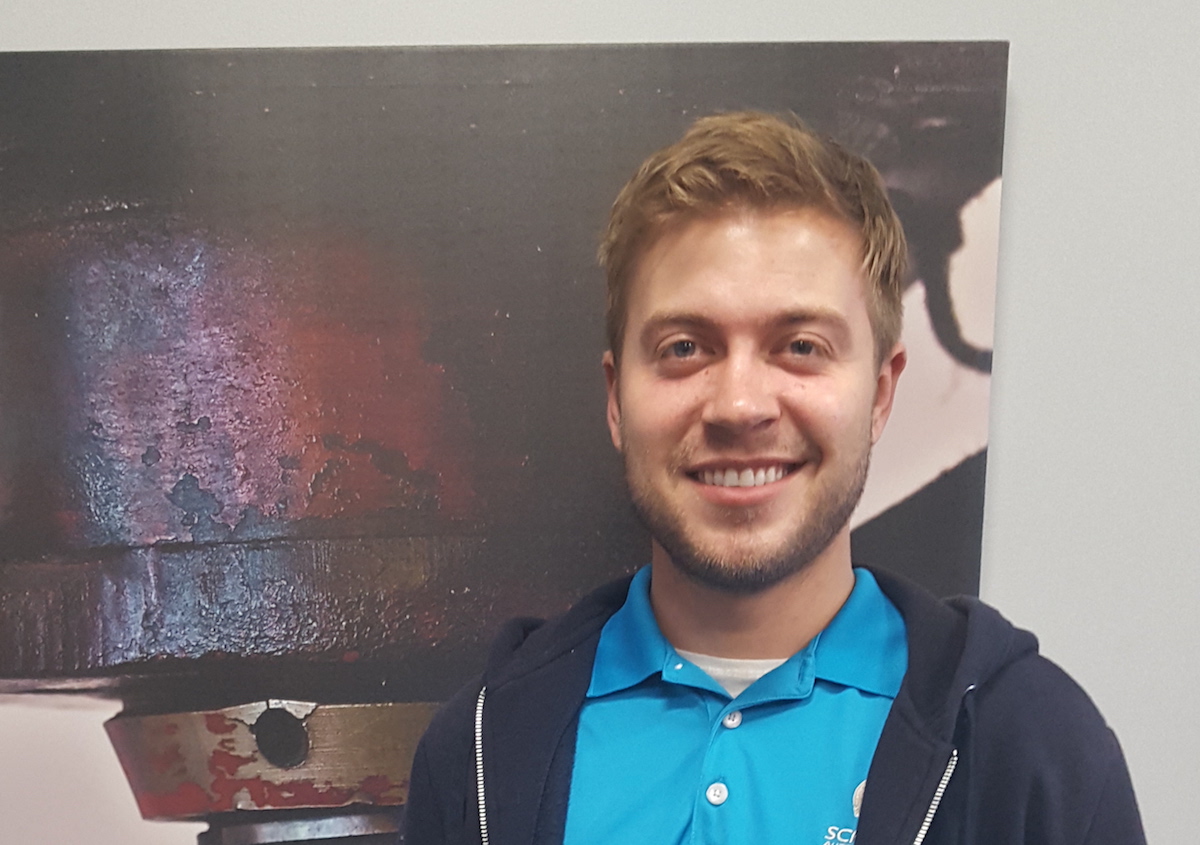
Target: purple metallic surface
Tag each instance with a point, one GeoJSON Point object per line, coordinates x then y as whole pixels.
{"type": "Point", "coordinates": [218, 446]}
{"type": "Point", "coordinates": [199, 385]}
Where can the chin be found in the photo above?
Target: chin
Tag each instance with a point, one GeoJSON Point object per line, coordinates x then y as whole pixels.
{"type": "Point", "coordinates": [736, 576]}
{"type": "Point", "coordinates": [740, 561]}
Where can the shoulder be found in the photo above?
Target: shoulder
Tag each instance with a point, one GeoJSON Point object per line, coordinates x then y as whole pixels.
{"type": "Point", "coordinates": [966, 657]}
{"type": "Point", "coordinates": [1043, 724]}
{"type": "Point", "coordinates": [1040, 749]}
{"type": "Point", "coordinates": [1034, 709]}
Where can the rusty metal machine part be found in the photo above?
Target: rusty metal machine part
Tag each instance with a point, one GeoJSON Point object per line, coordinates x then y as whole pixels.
{"type": "Point", "coordinates": [219, 482]}
{"type": "Point", "coordinates": [238, 767]}
{"type": "Point", "coordinates": [221, 447]}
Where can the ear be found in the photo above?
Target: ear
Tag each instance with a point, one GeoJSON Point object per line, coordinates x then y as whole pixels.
{"type": "Point", "coordinates": [614, 402]}
{"type": "Point", "coordinates": [885, 389]}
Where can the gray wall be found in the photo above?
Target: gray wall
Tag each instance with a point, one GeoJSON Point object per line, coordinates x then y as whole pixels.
{"type": "Point", "coordinates": [1093, 513]}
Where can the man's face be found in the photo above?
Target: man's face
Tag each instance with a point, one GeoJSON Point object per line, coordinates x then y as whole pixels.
{"type": "Point", "coordinates": [748, 395]}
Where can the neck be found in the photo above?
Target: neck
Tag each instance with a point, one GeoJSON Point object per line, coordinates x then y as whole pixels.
{"type": "Point", "coordinates": [775, 622]}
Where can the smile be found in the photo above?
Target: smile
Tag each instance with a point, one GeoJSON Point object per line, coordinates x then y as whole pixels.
{"type": "Point", "coordinates": [732, 477]}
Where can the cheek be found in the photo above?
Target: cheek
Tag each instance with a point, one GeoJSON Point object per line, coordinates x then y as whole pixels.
{"type": "Point", "coordinates": [827, 412]}
{"type": "Point", "coordinates": [658, 410]}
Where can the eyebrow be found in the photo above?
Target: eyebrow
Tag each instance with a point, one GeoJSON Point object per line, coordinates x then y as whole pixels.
{"type": "Point", "coordinates": [656, 323]}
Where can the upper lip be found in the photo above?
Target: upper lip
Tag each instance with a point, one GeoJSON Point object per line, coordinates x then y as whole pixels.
{"type": "Point", "coordinates": [740, 464]}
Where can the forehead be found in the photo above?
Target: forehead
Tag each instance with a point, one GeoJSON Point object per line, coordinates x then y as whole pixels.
{"type": "Point", "coordinates": [749, 265]}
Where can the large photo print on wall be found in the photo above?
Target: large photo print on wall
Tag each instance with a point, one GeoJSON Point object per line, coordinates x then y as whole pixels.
{"type": "Point", "coordinates": [300, 392]}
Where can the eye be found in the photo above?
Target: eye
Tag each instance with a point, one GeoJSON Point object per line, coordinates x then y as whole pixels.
{"type": "Point", "coordinates": [680, 349]}
{"type": "Point", "coordinates": [802, 347]}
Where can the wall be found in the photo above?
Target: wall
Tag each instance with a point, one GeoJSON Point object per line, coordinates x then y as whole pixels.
{"type": "Point", "coordinates": [1092, 505]}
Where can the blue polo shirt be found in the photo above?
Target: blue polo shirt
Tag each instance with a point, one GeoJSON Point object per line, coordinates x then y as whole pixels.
{"type": "Point", "coordinates": [664, 755]}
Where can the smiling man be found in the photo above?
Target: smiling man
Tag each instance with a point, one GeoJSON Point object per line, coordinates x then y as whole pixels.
{"type": "Point", "coordinates": [751, 684]}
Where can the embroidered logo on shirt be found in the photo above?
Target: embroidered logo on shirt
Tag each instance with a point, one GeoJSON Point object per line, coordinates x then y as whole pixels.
{"type": "Point", "coordinates": [846, 835]}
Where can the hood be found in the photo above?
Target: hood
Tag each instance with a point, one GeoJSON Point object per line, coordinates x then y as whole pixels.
{"type": "Point", "coordinates": [526, 644]}
{"type": "Point", "coordinates": [954, 645]}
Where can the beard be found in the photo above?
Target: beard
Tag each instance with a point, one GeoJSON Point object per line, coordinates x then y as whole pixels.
{"type": "Point", "coordinates": [743, 566]}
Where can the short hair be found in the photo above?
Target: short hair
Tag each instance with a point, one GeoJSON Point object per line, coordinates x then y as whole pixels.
{"type": "Point", "coordinates": [760, 161]}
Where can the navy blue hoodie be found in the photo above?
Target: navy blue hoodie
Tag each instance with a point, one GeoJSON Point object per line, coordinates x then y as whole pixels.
{"type": "Point", "coordinates": [987, 742]}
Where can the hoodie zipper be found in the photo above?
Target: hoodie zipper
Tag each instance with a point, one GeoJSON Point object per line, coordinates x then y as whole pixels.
{"type": "Point", "coordinates": [479, 790]}
{"type": "Point", "coordinates": [951, 765]}
{"type": "Point", "coordinates": [937, 797]}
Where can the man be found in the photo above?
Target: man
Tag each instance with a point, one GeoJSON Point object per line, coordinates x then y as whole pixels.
{"type": "Point", "coordinates": [750, 685]}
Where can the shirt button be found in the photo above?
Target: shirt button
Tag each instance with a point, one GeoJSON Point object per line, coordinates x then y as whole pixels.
{"type": "Point", "coordinates": [732, 719]}
{"type": "Point", "coordinates": [716, 794]}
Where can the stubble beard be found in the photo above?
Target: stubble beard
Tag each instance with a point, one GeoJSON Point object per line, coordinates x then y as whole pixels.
{"type": "Point", "coordinates": [741, 568]}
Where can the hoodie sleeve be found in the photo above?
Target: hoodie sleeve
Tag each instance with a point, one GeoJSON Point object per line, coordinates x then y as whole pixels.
{"type": "Point", "coordinates": [1116, 820]}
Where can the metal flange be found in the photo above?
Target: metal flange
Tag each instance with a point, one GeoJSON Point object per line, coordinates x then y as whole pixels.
{"type": "Point", "coordinates": [269, 755]}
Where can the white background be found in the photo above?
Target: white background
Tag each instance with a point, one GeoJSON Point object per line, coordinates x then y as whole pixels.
{"type": "Point", "coordinates": [1093, 511]}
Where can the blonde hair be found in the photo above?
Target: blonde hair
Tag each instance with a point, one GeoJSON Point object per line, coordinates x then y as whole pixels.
{"type": "Point", "coordinates": [760, 161]}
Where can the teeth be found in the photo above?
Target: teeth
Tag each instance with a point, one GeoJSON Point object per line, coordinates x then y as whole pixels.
{"type": "Point", "coordinates": [743, 478]}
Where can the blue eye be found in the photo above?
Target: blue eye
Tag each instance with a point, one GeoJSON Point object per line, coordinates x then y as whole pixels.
{"type": "Point", "coordinates": [801, 347]}
{"type": "Point", "coordinates": [681, 349]}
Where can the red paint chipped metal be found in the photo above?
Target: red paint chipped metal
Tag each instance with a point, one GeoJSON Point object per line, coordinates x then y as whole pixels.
{"type": "Point", "coordinates": [216, 723]}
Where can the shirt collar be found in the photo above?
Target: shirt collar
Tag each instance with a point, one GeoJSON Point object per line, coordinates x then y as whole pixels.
{"type": "Point", "coordinates": [858, 648]}
{"type": "Point", "coordinates": [864, 645]}
{"type": "Point", "coordinates": [631, 647]}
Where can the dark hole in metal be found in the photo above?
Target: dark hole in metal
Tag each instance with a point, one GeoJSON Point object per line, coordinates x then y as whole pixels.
{"type": "Point", "coordinates": [281, 737]}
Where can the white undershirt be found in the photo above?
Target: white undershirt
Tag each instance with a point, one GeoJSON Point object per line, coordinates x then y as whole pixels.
{"type": "Point", "coordinates": [733, 674]}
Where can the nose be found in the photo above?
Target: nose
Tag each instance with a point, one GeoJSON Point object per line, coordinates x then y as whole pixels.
{"type": "Point", "coordinates": [743, 395]}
